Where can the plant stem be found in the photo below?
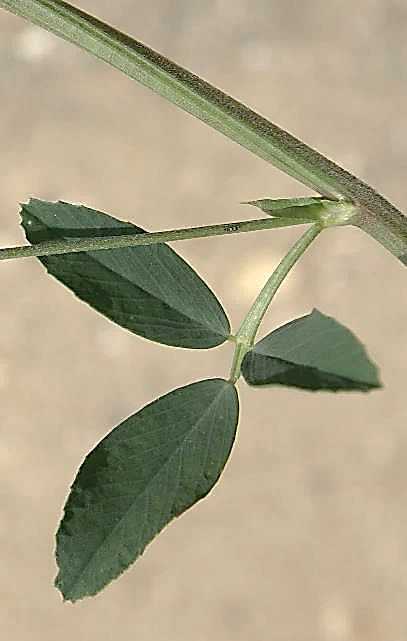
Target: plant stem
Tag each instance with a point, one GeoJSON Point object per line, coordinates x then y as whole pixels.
{"type": "Point", "coordinates": [244, 338]}
{"type": "Point", "coordinates": [135, 239]}
{"type": "Point", "coordinates": [378, 217]}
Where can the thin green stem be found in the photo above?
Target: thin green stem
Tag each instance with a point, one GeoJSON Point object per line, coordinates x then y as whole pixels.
{"type": "Point", "coordinates": [244, 338]}
{"type": "Point", "coordinates": [378, 217]}
{"type": "Point", "coordinates": [71, 245]}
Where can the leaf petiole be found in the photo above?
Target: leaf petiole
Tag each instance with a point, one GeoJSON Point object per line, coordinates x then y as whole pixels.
{"type": "Point", "coordinates": [245, 336]}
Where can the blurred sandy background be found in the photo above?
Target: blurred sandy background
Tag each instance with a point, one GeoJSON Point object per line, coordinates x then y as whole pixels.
{"type": "Point", "coordinates": [304, 538]}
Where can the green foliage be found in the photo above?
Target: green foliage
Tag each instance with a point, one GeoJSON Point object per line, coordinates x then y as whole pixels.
{"type": "Point", "coordinates": [166, 457]}
{"type": "Point", "coordinates": [149, 290]}
{"type": "Point", "coordinates": [314, 352]}
{"type": "Point", "coordinates": [311, 208]}
{"type": "Point", "coordinates": [308, 207]}
{"type": "Point", "coordinates": [148, 470]}
{"type": "Point", "coordinates": [163, 459]}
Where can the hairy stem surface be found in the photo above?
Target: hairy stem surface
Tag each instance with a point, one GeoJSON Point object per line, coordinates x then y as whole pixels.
{"type": "Point", "coordinates": [378, 217]}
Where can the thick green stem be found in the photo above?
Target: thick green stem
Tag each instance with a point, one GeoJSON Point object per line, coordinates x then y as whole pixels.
{"type": "Point", "coordinates": [378, 217]}
{"type": "Point", "coordinates": [244, 338]}
{"type": "Point", "coordinates": [94, 243]}
{"type": "Point", "coordinates": [390, 231]}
